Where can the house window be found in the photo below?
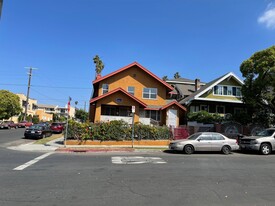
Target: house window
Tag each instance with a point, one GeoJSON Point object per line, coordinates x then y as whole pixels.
{"type": "Point", "coordinates": [204, 107]}
{"type": "Point", "coordinates": [218, 90]}
{"type": "Point", "coordinates": [220, 109]}
{"type": "Point", "coordinates": [149, 93]}
{"type": "Point", "coordinates": [153, 114]}
{"type": "Point", "coordinates": [105, 88]}
{"type": "Point", "coordinates": [227, 91]}
{"type": "Point", "coordinates": [109, 110]}
{"type": "Point", "coordinates": [131, 90]}
{"type": "Point", "coordinates": [194, 108]}
{"type": "Point", "coordinates": [238, 92]}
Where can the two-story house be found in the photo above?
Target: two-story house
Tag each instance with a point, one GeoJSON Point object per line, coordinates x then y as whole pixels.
{"type": "Point", "coordinates": [135, 88]}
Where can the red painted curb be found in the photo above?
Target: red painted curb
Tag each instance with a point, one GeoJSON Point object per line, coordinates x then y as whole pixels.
{"type": "Point", "coordinates": [80, 150]}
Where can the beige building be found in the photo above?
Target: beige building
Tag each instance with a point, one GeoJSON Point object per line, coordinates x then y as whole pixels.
{"type": "Point", "coordinates": [55, 109]}
{"type": "Point", "coordinates": [43, 116]}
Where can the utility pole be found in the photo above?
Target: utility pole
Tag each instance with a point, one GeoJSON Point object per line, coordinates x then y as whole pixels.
{"type": "Point", "coordinates": [1, 5]}
{"type": "Point", "coordinates": [28, 92]}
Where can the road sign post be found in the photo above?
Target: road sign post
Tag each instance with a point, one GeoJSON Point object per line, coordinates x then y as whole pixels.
{"type": "Point", "coordinates": [133, 122]}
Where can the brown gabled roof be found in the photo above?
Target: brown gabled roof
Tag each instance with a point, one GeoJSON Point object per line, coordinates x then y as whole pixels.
{"type": "Point", "coordinates": [117, 90]}
{"type": "Point", "coordinates": [174, 102]}
{"type": "Point", "coordinates": [141, 67]}
{"type": "Point", "coordinates": [208, 86]}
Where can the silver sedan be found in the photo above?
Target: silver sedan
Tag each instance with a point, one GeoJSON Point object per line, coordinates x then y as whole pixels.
{"type": "Point", "coordinates": [205, 141]}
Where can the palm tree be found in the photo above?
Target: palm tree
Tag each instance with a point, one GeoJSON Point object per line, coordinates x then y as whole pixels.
{"type": "Point", "coordinates": [165, 78]}
{"type": "Point", "coordinates": [176, 75]}
{"type": "Point", "coordinates": [99, 66]}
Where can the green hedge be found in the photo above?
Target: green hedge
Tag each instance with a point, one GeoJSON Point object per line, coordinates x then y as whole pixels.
{"type": "Point", "coordinates": [117, 130]}
{"type": "Point", "coordinates": [204, 117]}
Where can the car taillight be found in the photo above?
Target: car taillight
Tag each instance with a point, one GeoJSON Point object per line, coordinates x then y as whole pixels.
{"type": "Point", "coordinates": [39, 131]}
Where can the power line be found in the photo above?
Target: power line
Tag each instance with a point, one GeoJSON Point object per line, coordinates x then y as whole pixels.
{"type": "Point", "coordinates": [44, 86]}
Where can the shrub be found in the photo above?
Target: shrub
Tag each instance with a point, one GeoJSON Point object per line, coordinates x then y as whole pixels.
{"type": "Point", "coordinates": [204, 117]}
{"type": "Point", "coordinates": [117, 130]}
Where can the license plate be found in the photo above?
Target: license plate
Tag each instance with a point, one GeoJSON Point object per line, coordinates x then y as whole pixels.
{"type": "Point", "coordinates": [32, 131]}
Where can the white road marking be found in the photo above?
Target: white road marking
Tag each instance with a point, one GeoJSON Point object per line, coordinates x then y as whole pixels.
{"type": "Point", "coordinates": [137, 160]}
{"type": "Point", "coordinates": [29, 163]}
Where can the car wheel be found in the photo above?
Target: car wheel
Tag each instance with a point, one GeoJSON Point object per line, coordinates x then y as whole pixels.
{"type": "Point", "coordinates": [265, 149]}
{"type": "Point", "coordinates": [188, 149]}
{"type": "Point", "coordinates": [226, 150]}
{"type": "Point", "coordinates": [9, 127]}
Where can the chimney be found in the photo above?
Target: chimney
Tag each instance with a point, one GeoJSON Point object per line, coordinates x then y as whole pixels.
{"type": "Point", "coordinates": [98, 76]}
{"type": "Point", "coordinates": [197, 84]}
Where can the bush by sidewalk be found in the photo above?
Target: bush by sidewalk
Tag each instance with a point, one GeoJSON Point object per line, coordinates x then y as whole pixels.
{"type": "Point", "coordinates": [116, 130]}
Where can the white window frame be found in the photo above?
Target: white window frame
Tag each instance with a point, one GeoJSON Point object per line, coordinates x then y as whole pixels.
{"type": "Point", "coordinates": [104, 90]}
{"type": "Point", "coordinates": [220, 91]}
{"type": "Point", "coordinates": [131, 92]}
{"type": "Point", "coordinates": [150, 93]}
{"type": "Point", "coordinates": [194, 108]}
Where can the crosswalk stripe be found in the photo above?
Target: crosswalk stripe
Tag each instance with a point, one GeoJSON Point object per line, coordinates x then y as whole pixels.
{"type": "Point", "coordinates": [31, 162]}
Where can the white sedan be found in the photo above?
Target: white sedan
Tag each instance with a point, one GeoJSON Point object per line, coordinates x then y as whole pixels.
{"type": "Point", "coordinates": [205, 141]}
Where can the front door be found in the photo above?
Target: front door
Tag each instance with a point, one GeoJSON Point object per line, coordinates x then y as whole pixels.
{"type": "Point", "coordinates": [172, 118]}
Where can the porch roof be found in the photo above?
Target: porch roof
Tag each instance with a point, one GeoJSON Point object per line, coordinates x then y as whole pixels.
{"type": "Point", "coordinates": [173, 103]}
{"type": "Point", "coordinates": [115, 91]}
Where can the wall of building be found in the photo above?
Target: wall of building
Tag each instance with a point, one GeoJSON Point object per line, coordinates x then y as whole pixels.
{"type": "Point", "coordinates": [139, 79]}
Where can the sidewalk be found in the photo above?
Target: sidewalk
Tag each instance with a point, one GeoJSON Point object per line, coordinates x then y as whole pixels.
{"type": "Point", "coordinates": [58, 146]}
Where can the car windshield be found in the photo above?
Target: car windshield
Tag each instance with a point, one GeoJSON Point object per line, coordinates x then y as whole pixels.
{"type": "Point", "coordinates": [265, 133]}
{"type": "Point", "coordinates": [194, 136]}
{"type": "Point", "coordinates": [36, 127]}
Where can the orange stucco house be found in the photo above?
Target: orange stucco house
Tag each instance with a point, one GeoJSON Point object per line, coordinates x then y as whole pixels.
{"type": "Point", "coordinates": [134, 88]}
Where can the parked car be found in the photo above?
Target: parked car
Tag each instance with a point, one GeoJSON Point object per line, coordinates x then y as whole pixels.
{"type": "Point", "coordinates": [38, 131]}
{"type": "Point", "coordinates": [205, 141]}
{"type": "Point", "coordinates": [8, 125]}
{"type": "Point", "coordinates": [57, 127]}
{"type": "Point", "coordinates": [25, 124]}
{"type": "Point", "coordinates": [45, 124]}
{"type": "Point", "coordinates": [264, 142]}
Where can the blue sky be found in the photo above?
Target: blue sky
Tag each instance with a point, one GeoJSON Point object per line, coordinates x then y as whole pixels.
{"type": "Point", "coordinates": [197, 38]}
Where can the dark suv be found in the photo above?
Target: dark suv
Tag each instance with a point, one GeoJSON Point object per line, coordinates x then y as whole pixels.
{"type": "Point", "coordinates": [57, 127]}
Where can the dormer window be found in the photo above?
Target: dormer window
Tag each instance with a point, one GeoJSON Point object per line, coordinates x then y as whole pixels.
{"type": "Point", "coordinates": [227, 91]}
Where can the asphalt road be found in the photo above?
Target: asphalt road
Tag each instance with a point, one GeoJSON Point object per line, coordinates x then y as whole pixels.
{"type": "Point", "coordinates": [156, 178]}
{"type": "Point", "coordinates": [120, 179]}
{"type": "Point", "coordinates": [12, 137]}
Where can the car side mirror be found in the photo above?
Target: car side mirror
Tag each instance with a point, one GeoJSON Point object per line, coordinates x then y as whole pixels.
{"type": "Point", "coordinates": [199, 140]}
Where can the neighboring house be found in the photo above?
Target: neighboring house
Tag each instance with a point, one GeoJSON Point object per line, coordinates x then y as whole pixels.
{"type": "Point", "coordinates": [31, 109]}
{"type": "Point", "coordinates": [184, 87]}
{"type": "Point", "coordinates": [32, 105]}
{"type": "Point", "coordinates": [63, 111]}
{"type": "Point", "coordinates": [43, 116]}
{"type": "Point", "coordinates": [133, 87]}
{"type": "Point", "coordinates": [55, 109]}
{"type": "Point", "coordinates": [51, 109]}
{"type": "Point", "coordinates": [222, 96]}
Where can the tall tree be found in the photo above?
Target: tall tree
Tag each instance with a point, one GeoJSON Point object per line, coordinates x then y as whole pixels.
{"type": "Point", "coordinates": [258, 90]}
{"type": "Point", "coordinates": [81, 114]}
{"type": "Point", "coordinates": [75, 103]}
{"type": "Point", "coordinates": [176, 75]}
{"type": "Point", "coordinates": [99, 66]}
{"type": "Point", "coordinates": [9, 104]}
